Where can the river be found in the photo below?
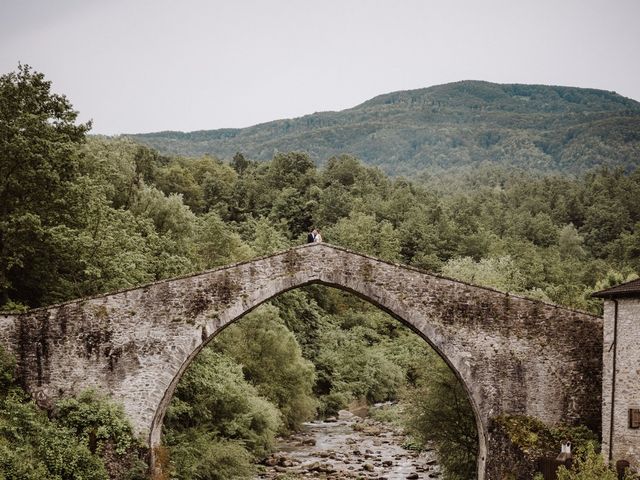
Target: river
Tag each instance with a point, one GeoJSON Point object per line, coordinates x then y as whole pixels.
{"type": "Point", "coordinates": [349, 447]}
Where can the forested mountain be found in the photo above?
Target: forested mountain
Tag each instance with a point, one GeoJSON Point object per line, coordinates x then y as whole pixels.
{"type": "Point", "coordinates": [545, 128]}
{"type": "Point", "coordinates": [81, 216]}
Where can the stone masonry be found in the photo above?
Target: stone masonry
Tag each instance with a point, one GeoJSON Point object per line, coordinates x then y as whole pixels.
{"type": "Point", "coordinates": [513, 355]}
{"type": "Point", "coordinates": [621, 353]}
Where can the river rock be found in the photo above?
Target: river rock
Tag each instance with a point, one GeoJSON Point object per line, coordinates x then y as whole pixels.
{"type": "Point", "coordinates": [348, 449]}
{"type": "Point", "coordinates": [270, 461]}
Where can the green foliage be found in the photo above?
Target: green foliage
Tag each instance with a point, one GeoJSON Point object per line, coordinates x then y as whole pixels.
{"type": "Point", "coordinates": [265, 238]}
{"type": "Point", "coordinates": [96, 421]}
{"type": "Point", "coordinates": [501, 272]}
{"type": "Point", "coordinates": [119, 167]}
{"type": "Point", "coordinates": [363, 354]}
{"type": "Point", "coordinates": [114, 251]}
{"type": "Point", "coordinates": [204, 456]}
{"type": "Point", "coordinates": [214, 406]}
{"type": "Point", "coordinates": [88, 437]}
{"type": "Point", "coordinates": [542, 236]}
{"type": "Point", "coordinates": [537, 439]}
{"type": "Point", "coordinates": [13, 307]}
{"type": "Point", "coordinates": [589, 465]}
{"type": "Point", "coordinates": [33, 447]}
{"type": "Point", "coordinates": [304, 318]}
{"type": "Point", "coordinates": [391, 413]}
{"type": "Point", "coordinates": [352, 364]}
{"type": "Point", "coordinates": [272, 360]}
{"type": "Point", "coordinates": [362, 233]}
{"type": "Point", "coordinates": [216, 244]}
{"type": "Point", "coordinates": [80, 217]}
{"type": "Point", "coordinates": [438, 411]}
{"type": "Point", "coordinates": [290, 170]}
{"type": "Point", "coordinates": [38, 167]}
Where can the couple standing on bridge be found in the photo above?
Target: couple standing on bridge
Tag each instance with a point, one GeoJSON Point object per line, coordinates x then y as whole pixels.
{"type": "Point", "coordinates": [314, 236]}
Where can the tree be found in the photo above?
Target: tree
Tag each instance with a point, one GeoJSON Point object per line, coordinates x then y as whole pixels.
{"type": "Point", "coordinates": [343, 170]}
{"type": "Point", "coordinates": [294, 169]}
{"type": "Point", "coordinates": [363, 233]}
{"type": "Point", "coordinates": [119, 167]}
{"type": "Point", "coordinates": [291, 209]}
{"type": "Point", "coordinates": [216, 244]}
{"type": "Point", "coordinates": [265, 238]}
{"type": "Point", "coordinates": [214, 399]}
{"type": "Point", "coordinates": [178, 179]}
{"type": "Point", "coordinates": [39, 164]}
{"type": "Point", "coordinates": [272, 360]}
{"type": "Point", "coordinates": [351, 364]}
{"type": "Point", "coordinates": [239, 163]}
{"type": "Point", "coordinates": [570, 243]}
{"type": "Point", "coordinates": [497, 272]}
{"type": "Point", "coordinates": [438, 411]}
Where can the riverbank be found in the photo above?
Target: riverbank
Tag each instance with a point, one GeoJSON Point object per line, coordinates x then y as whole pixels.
{"type": "Point", "coordinates": [348, 447]}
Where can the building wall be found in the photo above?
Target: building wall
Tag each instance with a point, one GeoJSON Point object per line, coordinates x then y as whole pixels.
{"type": "Point", "coordinates": [626, 441]}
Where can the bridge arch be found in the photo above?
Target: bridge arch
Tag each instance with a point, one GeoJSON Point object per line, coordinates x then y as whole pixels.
{"type": "Point", "coordinates": [513, 356]}
{"type": "Point", "coordinates": [396, 311]}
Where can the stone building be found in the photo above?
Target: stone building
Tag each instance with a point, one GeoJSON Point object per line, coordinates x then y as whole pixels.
{"type": "Point", "coordinates": [621, 374]}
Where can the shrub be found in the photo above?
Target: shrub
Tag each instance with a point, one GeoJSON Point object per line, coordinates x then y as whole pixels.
{"type": "Point", "coordinates": [587, 465]}
{"type": "Point", "coordinates": [536, 439]}
{"type": "Point", "coordinates": [34, 448]}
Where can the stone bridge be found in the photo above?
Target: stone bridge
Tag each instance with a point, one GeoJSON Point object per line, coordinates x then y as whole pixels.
{"type": "Point", "coordinates": [513, 355]}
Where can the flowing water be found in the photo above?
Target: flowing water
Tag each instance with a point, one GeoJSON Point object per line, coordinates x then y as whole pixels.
{"type": "Point", "coordinates": [349, 447]}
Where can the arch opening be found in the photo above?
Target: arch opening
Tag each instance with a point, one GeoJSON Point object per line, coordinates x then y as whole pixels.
{"type": "Point", "coordinates": [416, 325]}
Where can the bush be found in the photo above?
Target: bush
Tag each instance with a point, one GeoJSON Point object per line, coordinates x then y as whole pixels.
{"type": "Point", "coordinates": [103, 427]}
{"type": "Point", "coordinates": [332, 403]}
{"type": "Point", "coordinates": [438, 411]}
{"type": "Point", "coordinates": [214, 407]}
{"type": "Point", "coordinates": [272, 361]}
{"type": "Point", "coordinates": [536, 439]}
{"type": "Point", "coordinates": [87, 438]}
{"type": "Point", "coordinates": [198, 455]}
{"type": "Point", "coordinates": [34, 448]}
{"type": "Point", "coordinates": [588, 465]}
{"type": "Point", "coordinates": [97, 421]}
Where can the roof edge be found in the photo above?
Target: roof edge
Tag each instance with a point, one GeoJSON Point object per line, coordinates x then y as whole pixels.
{"type": "Point", "coordinates": [626, 289]}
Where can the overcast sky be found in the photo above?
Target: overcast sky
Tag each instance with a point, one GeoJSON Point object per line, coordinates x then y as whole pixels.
{"type": "Point", "coordinates": [147, 65]}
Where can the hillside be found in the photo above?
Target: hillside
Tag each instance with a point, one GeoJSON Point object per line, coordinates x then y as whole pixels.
{"type": "Point", "coordinates": [547, 128]}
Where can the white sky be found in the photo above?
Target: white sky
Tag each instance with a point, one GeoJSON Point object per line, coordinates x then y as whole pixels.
{"type": "Point", "coordinates": [148, 65]}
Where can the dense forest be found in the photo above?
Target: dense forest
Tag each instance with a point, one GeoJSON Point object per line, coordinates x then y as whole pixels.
{"type": "Point", "coordinates": [82, 215]}
{"type": "Point", "coordinates": [537, 127]}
